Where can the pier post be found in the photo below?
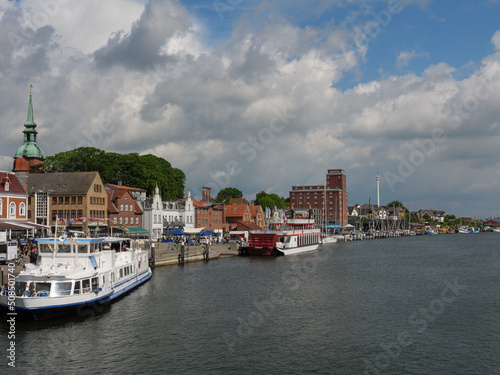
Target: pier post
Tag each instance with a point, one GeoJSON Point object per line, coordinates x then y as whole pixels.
{"type": "Point", "coordinates": [153, 256]}
{"type": "Point", "coordinates": [181, 255]}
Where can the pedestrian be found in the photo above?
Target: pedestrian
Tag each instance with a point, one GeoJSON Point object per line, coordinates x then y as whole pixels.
{"type": "Point", "coordinates": [33, 256]}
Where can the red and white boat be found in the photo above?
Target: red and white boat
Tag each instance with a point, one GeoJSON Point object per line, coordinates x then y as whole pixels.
{"type": "Point", "coordinates": [285, 238]}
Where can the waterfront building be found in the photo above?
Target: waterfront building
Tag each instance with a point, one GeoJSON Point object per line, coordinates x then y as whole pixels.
{"type": "Point", "coordinates": [164, 216]}
{"type": "Point", "coordinates": [123, 211]}
{"type": "Point", "coordinates": [209, 216]}
{"type": "Point", "coordinates": [77, 199]}
{"type": "Point", "coordinates": [327, 202]}
{"type": "Point", "coordinates": [153, 215]}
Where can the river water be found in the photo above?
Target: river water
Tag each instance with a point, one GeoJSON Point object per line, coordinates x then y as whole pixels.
{"type": "Point", "coordinates": [413, 305]}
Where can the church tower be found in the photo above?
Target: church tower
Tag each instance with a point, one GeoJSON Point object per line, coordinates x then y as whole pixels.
{"type": "Point", "coordinates": [29, 154]}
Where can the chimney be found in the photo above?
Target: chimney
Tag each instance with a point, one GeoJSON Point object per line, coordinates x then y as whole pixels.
{"type": "Point", "coordinates": [206, 194]}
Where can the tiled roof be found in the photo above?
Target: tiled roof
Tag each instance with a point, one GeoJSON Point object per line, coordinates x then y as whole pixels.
{"type": "Point", "coordinates": [118, 187]}
{"type": "Point", "coordinates": [15, 186]}
{"type": "Point", "coordinates": [235, 210]}
{"type": "Point", "coordinates": [61, 183]}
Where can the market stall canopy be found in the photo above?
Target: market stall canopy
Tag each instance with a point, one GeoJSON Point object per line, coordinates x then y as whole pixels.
{"type": "Point", "coordinates": [177, 232]}
{"type": "Point", "coordinates": [334, 226]}
{"type": "Point", "coordinates": [206, 233]}
{"type": "Point", "coordinates": [193, 230]}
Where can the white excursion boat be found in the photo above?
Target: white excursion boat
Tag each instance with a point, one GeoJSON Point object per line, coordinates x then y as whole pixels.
{"type": "Point", "coordinates": [74, 273]}
{"type": "Point", "coordinates": [291, 237]}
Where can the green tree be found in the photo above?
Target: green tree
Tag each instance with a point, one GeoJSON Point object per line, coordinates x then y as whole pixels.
{"type": "Point", "coordinates": [269, 200]}
{"type": "Point", "coordinates": [427, 217]}
{"type": "Point", "coordinates": [139, 171]}
{"type": "Point", "coordinates": [225, 195]}
{"type": "Point", "coordinates": [394, 204]}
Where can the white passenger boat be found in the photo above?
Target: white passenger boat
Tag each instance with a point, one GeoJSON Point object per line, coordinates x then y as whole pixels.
{"type": "Point", "coordinates": [73, 273]}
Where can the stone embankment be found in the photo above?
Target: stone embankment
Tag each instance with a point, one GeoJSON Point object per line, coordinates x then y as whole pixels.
{"type": "Point", "coordinates": [167, 254]}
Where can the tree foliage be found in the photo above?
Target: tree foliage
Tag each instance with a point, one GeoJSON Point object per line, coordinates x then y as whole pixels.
{"type": "Point", "coordinates": [225, 195]}
{"type": "Point", "coordinates": [269, 200]}
{"type": "Point", "coordinates": [134, 170]}
{"type": "Point", "coordinates": [395, 204]}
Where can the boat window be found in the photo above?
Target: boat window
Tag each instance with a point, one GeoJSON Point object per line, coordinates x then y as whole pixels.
{"type": "Point", "coordinates": [86, 286]}
{"type": "Point", "coordinates": [46, 248]}
{"type": "Point", "coordinates": [95, 284]}
{"type": "Point", "coordinates": [40, 289]}
{"type": "Point", "coordinates": [82, 249]}
{"type": "Point", "coordinates": [78, 287]}
{"type": "Point", "coordinates": [103, 279]}
{"type": "Point", "coordinates": [287, 239]}
{"type": "Point", "coordinates": [20, 287]}
{"type": "Point", "coordinates": [64, 248]}
{"type": "Point", "coordinates": [112, 277]}
{"type": "Point", "coordinates": [121, 272]}
{"type": "Point", "coordinates": [62, 289]}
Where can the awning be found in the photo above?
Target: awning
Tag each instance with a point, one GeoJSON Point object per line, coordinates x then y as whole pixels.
{"type": "Point", "coordinates": [132, 230]}
{"type": "Point", "coordinates": [193, 230]}
{"type": "Point", "coordinates": [206, 233]}
{"type": "Point", "coordinates": [20, 225]}
{"type": "Point", "coordinates": [177, 232]}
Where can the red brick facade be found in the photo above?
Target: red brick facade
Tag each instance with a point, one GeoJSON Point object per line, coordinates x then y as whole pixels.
{"type": "Point", "coordinates": [335, 200]}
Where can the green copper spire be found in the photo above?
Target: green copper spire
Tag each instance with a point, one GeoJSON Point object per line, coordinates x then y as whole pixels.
{"type": "Point", "coordinates": [29, 149]}
{"type": "Point", "coordinates": [31, 119]}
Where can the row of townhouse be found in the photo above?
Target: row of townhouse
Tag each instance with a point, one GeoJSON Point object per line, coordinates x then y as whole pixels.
{"type": "Point", "coordinates": [394, 213]}
{"type": "Point", "coordinates": [81, 202]}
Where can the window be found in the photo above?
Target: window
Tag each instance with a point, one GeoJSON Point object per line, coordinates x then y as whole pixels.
{"type": "Point", "coordinates": [80, 200]}
{"type": "Point", "coordinates": [126, 207]}
{"type": "Point", "coordinates": [73, 200]}
{"type": "Point", "coordinates": [78, 287]}
{"type": "Point", "coordinates": [66, 214]}
{"type": "Point", "coordinates": [137, 220]}
{"type": "Point", "coordinates": [121, 207]}
{"type": "Point", "coordinates": [61, 200]}
{"type": "Point", "coordinates": [66, 200]}
{"type": "Point", "coordinates": [62, 289]}
{"type": "Point", "coordinates": [86, 286]}
{"type": "Point", "coordinates": [80, 213]}
{"type": "Point", "coordinates": [121, 272]}
{"type": "Point", "coordinates": [73, 214]}
{"type": "Point", "coordinates": [95, 284]}
{"type": "Point", "coordinates": [22, 209]}
{"type": "Point", "coordinates": [54, 214]}
{"type": "Point", "coordinates": [12, 210]}
{"type": "Point", "coordinates": [121, 220]}
{"type": "Point", "coordinates": [60, 214]}
{"type": "Point", "coordinates": [126, 220]}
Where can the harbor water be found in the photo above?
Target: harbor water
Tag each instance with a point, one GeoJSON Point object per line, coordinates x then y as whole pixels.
{"type": "Point", "coordinates": [412, 305]}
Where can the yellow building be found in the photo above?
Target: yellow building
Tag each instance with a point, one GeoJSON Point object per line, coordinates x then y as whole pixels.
{"type": "Point", "coordinates": [77, 199]}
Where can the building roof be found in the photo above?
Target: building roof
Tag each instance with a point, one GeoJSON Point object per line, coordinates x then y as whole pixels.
{"type": "Point", "coordinates": [29, 148]}
{"type": "Point", "coordinates": [77, 183]}
{"type": "Point", "coordinates": [238, 201]}
{"type": "Point", "coordinates": [236, 210]}
{"type": "Point", "coordinates": [15, 186]}
{"type": "Point", "coordinates": [246, 225]}
{"type": "Point", "coordinates": [255, 210]}
{"type": "Point", "coordinates": [114, 195]}
{"type": "Point", "coordinates": [120, 187]}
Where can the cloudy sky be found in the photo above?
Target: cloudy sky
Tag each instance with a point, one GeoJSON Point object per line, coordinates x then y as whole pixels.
{"type": "Point", "coordinates": [263, 95]}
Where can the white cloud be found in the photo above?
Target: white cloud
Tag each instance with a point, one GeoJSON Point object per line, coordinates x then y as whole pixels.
{"type": "Point", "coordinates": [405, 57]}
{"type": "Point", "coordinates": [260, 112]}
{"type": "Point", "coordinates": [496, 40]}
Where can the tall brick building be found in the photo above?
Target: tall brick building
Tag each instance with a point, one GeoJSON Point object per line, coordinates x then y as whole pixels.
{"type": "Point", "coordinates": [329, 199]}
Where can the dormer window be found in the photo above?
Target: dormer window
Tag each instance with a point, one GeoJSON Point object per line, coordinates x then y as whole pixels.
{"type": "Point", "coordinates": [6, 187]}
